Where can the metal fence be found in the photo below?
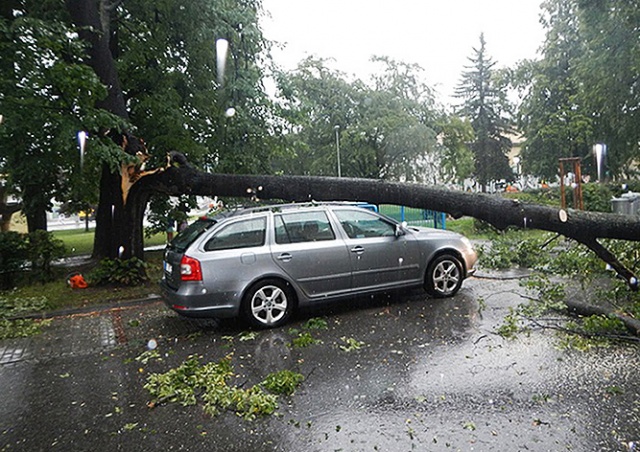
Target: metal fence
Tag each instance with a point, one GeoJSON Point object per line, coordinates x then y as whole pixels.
{"type": "Point", "coordinates": [413, 216]}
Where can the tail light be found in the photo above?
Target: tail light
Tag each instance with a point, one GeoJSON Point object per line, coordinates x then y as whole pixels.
{"type": "Point", "coordinates": [190, 269]}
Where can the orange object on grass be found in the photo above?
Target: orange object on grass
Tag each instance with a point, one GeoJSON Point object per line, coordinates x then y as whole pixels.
{"type": "Point", "coordinates": [78, 282]}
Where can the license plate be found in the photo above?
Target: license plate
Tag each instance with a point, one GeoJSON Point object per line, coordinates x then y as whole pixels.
{"type": "Point", "coordinates": [167, 267]}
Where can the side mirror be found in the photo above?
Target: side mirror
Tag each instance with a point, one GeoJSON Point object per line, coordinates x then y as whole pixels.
{"type": "Point", "coordinates": [400, 229]}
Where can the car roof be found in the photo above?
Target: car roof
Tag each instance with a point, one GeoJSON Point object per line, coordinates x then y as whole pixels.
{"type": "Point", "coordinates": [244, 210]}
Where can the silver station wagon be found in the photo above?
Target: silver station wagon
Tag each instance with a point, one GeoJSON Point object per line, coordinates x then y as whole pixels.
{"type": "Point", "coordinates": [264, 262]}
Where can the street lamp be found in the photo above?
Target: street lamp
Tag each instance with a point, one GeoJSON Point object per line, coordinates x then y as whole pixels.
{"type": "Point", "coordinates": [337, 129]}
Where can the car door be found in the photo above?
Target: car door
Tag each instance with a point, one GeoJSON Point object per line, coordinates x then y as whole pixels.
{"type": "Point", "coordinates": [380, 258]}
{"type": "Point", "coordinates": [307, 249]}
{"type": "Point", "coordinates": [234, 255]}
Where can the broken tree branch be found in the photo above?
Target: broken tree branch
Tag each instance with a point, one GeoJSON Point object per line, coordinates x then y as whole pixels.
{"type": "Point", "coordinates": [583, 309]}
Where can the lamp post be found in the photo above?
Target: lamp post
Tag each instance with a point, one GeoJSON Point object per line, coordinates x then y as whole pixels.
{"type": "Point", "coordinates": [337, 129]}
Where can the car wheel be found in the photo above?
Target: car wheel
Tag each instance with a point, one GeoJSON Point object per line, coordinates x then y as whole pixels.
{"type": "Point", "coordinates": [269, 303]}
{"type": "Point", "coordinates": [444, 276]}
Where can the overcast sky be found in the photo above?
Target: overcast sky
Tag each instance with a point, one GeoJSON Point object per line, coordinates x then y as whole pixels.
{"type": "Point", "coordinates": [439, 35]}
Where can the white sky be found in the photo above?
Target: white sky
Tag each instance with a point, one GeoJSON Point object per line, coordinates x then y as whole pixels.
{"type": "Point", "coordinates": [439, 35]}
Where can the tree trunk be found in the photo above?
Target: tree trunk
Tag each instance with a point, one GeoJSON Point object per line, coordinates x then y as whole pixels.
{"type": "Point", "coordinates": [109, 204]}
{"type": "Point", "coordinates": [92, 19]}
{"type": "Point", "coordinates": [112, 219]}
{"type": "Point", "coordinates": [35, 208]}
{"type": "Point", "coordinates": [499, 212]}
{"type": "Point", "coordinates": [6, 209]}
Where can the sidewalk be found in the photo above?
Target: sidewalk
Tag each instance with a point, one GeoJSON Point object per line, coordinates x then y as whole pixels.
{"type": "Point", "coordinates": [94, 329]}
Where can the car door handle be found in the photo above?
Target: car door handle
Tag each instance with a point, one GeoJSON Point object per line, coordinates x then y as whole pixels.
{"type": "Point", "coordinates": [357, 249]}
{"type": "Point", "coordinates": [284, 257]}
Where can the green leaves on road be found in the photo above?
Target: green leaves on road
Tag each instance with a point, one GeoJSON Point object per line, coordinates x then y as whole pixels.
{"type": "Point", "coordinates": [186, 382]}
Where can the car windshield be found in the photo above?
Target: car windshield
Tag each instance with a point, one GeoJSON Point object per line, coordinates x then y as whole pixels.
{"type": "Point", "coordinates": [190, 233]}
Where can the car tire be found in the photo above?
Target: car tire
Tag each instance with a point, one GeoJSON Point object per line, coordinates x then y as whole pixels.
{"type": "Point", "coordinates": [268, 303]}
{"type": "Point", "coordinates": [444, 276]}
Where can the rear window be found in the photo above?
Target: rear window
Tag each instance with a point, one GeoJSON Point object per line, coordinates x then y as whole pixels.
{"type": "Point", "coordinates": [190, 233]}
{"type": "Point", "coordinates": [241, 234]}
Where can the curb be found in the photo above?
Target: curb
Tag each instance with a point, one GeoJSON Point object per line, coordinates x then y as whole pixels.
{"type": "Point", "coordinates": [89, 309]}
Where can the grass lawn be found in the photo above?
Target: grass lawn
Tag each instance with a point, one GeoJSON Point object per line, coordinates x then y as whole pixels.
{"type": "Point", "coordinates": [58, 295]}
{"type": "Point", "coordinates": [80, 243]}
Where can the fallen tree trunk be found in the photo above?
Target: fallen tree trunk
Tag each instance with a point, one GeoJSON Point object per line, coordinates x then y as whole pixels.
{"type": "Point", "coordinates": [583, 227]}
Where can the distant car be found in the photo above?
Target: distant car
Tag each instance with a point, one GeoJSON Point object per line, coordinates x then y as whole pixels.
{"type": "Point", "coordinates": [265, 262]}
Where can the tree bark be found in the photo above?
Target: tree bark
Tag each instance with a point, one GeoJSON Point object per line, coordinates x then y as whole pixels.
{"type": "Point", "coordinates": [35, 207]}
{"type": "Point", "coordinates": [499, 212]}
{"type": "Point", "coordinates": [92, 19]}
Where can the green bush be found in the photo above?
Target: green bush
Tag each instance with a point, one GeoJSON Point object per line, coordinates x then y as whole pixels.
{"type": "Point", "coordinates": [13, 257]}
{"type": "Point", "coordinates": [31, 254]}
{"type": "Point", "coordinates": [128, 272]}
{"type": "Point", "coordinates": [597, 197]}
{"type": "Point", "coordinates": [545, 196]}
{"type": "Point", "coordinates": [43, 248]}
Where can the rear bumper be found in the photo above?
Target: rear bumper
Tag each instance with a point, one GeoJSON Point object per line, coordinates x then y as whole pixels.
{"type": "Point", "coordinates": [192, 300]}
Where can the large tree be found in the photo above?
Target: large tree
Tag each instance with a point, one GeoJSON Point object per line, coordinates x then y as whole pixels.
{"type": "Point", "coordinates": [158, 61]}
{"type": "Point", "coordinates": [484, 104]}
{"type": "Point", "coordinates": [609, 73]}
{"type": "Point", "coordinates": [457, 161]}
{"type": "Point", "coordinates": [552, 116]}
{"type": "Point", "coordinates": [405, 116]}
{"type": "Point", "coordinates": [584, 88]}
{"type": "Point", "coordinates": [47, 95]}
{"type": "Point", "coordinates": [384, 129]}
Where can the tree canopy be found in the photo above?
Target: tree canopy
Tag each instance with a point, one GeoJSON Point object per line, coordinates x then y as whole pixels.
{"type": "Point", "coordinates": [119, 69]}
{"type": "Point", "coordinates": [47, 95]}
{"type": "Point", "coordinates": [383, 129]}
{"type": "Point", "coordinates": [583, 90]}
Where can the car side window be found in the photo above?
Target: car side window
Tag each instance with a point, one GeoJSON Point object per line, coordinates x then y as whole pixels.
{"type": "Point", "coordinates": [241, 234]}
{"type": "Point", "coordinates": [360, 223]}
{"type": "Point", "coordinates": [296, 227]}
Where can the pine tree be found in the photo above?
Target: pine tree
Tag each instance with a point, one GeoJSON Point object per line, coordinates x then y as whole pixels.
{"type": "Point", "coordinates": [485, 106]}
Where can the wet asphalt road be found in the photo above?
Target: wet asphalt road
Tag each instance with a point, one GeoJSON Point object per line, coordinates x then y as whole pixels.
{"type": "Point", "coordinates": [431, 375]}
